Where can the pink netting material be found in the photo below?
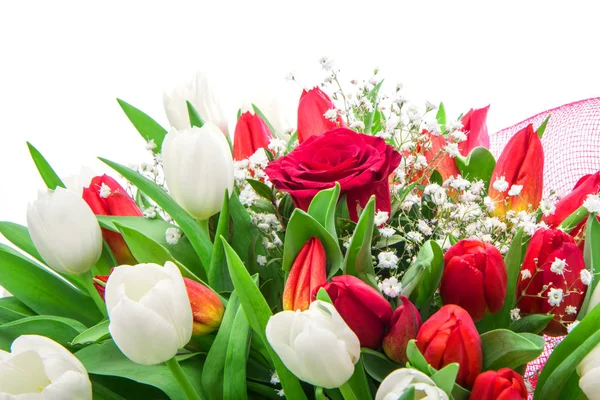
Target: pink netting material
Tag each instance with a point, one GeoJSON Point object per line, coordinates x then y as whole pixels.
{"type": "Point", "coordinates": [571, 149]}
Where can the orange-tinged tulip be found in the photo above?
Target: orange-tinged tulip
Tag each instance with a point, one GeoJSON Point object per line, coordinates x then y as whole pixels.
{"type": "Point", "coordinates": [521, 163]}
{"type": "Point", "coordinates": [207, 308]}
{"type": "Point", "coordinates": [307, 274]}
{"type": "Point", "coordinates": [439, 159]}
{"type": "Point", "coordinates": [251, 134]}
{"type": "Point", "coordinates": [474, 125]}
{"type": "Point", "coordinates": [313, 105]}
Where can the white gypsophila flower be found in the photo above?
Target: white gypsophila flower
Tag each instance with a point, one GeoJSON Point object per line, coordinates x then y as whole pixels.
{"type": "Point", "coordinates": [424, 228]}
{"type": "Point", "coordinates": [104, 190]}
{"type": "Point", "coordinates": [259, 159]}
{"type": "Point", "coordinates": [261, 260]}
{"type": "Point", "coordinates": [326, 63]}
{"type": "Point", "coordinates": [503, 249]}
{"type": "Point", "coordinates": [381, 217]}
{"type": "Point", "coordinates": [277, 145]}
{"type": "Point", "coordinates": [399, 100]}
{"type": "Point", "coordinates": [515, 190]}
{"type": "Point", "coordinates": [387, 232]}
{"type": "Point", "coordinates": [150, 212]}
{"type": "Point", "coordinates": [150, 145]}
{"type": "Point", "coordinates": [409, 201]}
{"type": "Point", "coordinates": [408, 146]}
{"type": "Point", "coordinates": [500, 184]}
{"type": "Point", "coordinates": [525, 274]}
{"type": "Point", "coordinates": [515, 314]}
{"type": "Point", "coordinates": [460, 183]}
{"type": "Point", "coordinates": [558, 266]}
{"type": "Point", "coordinates": [414, 237]}
{"type": "Point", "coordinates": [454, 125]}
{"type": "Point", "coordinates": [452, 150]}
{"type": "Point", "coordinates": [280, 392]}
{"type": "Point", "coordinates": [437, 193]}
{"type": "Point", "coordinates": [391, 287]}
{"type": "Point", "coordinates": [276, 241]}
{"type": "Point", "coordinates": [331, 114]}
{"type": "Point", "coordinates": [555, 297]}
{"type": "Point", "coordinates": [430, 106]}
{"type": "Point", "coordinates": [477, 187]}
{"type": "Point", "coordinates": [489, 204]}
{"type": "Point", "coordinates": [172, 235]}
{"type": "Point", "coordinates": [248, 196]}
{"type": "Point", "coordinates": [458, 136]}
{"type": "Point", "coordinates": [468, 197]}
{"type": "Point", "coordinates": [571, 310]}
{"type": "Point", "coordinates": [572, 326]}
{"type": "Point", "coordinates": [592, 203]}
{"type": "Point", "coordinates": [357, 125]}
{"type": "Point", "coordinates": [487, 238]}
{"type": "Point", "coordinates": [387, 259]}
{"type": "Point", "coordinates": [275, 378]}
{"type": "Point", "coordinates": [420, 162]}
{"type": "Point", "coordinates": [547, 207]}
{"type": "Point", "coordinates": [586, 277]}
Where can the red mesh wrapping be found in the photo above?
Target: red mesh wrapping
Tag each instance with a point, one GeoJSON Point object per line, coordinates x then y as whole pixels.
{"type": "Point", "coordinates": [571, 143]}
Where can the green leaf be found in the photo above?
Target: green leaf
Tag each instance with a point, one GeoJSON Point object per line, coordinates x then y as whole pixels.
{"type": "Point", "coordinates": [19, 236]}
{"type": "Point", "coordinates": [61, 330]}
{"type": "Point", "coordinates": [101, 392]}
{"type": "Point", "coordinates": [445, 378]}
{"type": "Point", "coordinates": [105, 358]}
{"type": "Point", "coordinates": [377, 365]}
{"type": "Point", "coordinates": [506, 349]}
{"type": "Point", "coordinates": [302, 227]}
{"type": "Point", "coordinates": [408, 394]}
{"type": "Point", "coordinates": [416, 359]}
{"type": "Point", "coordinates": [358, 261]}
{"type": "Point", "coordinates": [258, 313]}
{"type": "Point", "coordinates": [96, 333]}
{"type": "Point", "coordinates": [323, 207]}
{"type": "Point", "coordinates": [50, 177]}
{"type": "Point", "coordinates": [42, 290]}
{"type": "Point", "coordinates": [371, 115]}
{"type": "Point", "coordinates": [265, 119]}
{"type": "Point", "coordinates": [423, 277]}
{"type": "Point", "coordinates": [534, 323]}
{"type": "Point", "coordinates": [323, 296]}
{"type": "Point", "coordinates": [292, 140]}
{"type": "Point", "coordinates": [542, 128]}
{"type": "Point", "coordinates": [12, 309]}
{"type": "Point", "coordinates": [146, 126]}
{"type": "Point", "coordinates": [573, 219]}
{"type": "Point", "coordinates": [218, 274]}
{"type": "Point", "coordinates": [358, 383]}
{"type": "Point", "coordinates": [197, 236]}
{"type": "Point", "coordinates": [478, 165]}
{"type": "Point", "coordinates": [261, 189]}
{"type": "Point", "coordinates": [441, 116]}
{"type": "Point", "coordinates": [591, 254]}
{"type": "Point", "coordinates": [195, 118]}
{"type": "Point", "coordinates": [234, 386]}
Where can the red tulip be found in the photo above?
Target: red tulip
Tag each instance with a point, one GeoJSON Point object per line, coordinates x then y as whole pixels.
{"type": "Point", "coordinates": [307, 274]}
{"type": "Point", "coordinates": [521, 163]}
{"type": "Point", "coordinates": [207, 308]}
{"type": "Point", "coordinates": [363, 308]}
{"type": "Point", "coordinates": [474, 124]}
{"type": "Point", "coordinates": [450, 336]}
{"type": "Point", "coordinates": [404, 325]}
{"type": "Point", "coordinates": [251, 134]}
{"type": "Point", "coordinates": [106, 197]}
{"type": "Point", "coordinates": [314, 103]}
{"type": "Point", "coordinates": [438, 158]}
{"type": "Point", "coordinates": [474, 278]}
{"type": "Point", "coordinates": [550, 280]}
{"type": "Point", "coordinates": [504, 384]}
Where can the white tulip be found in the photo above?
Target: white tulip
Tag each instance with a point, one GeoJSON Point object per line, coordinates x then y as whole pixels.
{"type": "Point", "coordinates": [40, 368]}
{"type": "Point", "coordinates": [316, 345]}
{"type": "Point", "coordinates": [80, 181]}
{"type": "Point", "coordinates": [589, 373]}
{"type": "Point", "coordinates": [149, 311]}
{"type": "Point", "coordinates": [279, 103]}
{"type": "Point", "coordinates": [65, 231]}
{"type": "Point", "coordinates": [396, 383]}
{"type": "Point", "coordinates": [201, 93]}
{"type": "Point", "coordinates": [198, 168]}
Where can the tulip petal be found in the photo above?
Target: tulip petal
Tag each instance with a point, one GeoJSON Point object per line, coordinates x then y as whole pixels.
{"type": "Point", "coordinates": [70, 385]}
{"type": "Point", "coordinates": [589, 384]}
{"type": "Point", "coordinates": [22, 372]}
{"type": "Point", "coordinates": [137, 279]}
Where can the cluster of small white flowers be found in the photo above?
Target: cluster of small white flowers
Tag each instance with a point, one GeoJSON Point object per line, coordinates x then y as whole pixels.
{"type": "Point", "coordinates": [381, 218]}
{"type": "Point", "coordinates": [261, 260]}
{"type": "Point", "coordinates": [278, 146]}
{"type": "Point", "coordinates": [150, 212]}
{"type": "Point", "coordinates": [515, 314]}
{"type": "Point", "coordinates": [387, 259]}
{"type": "Point", "coordinates": [391, 287]}
{"type": "Point", "coordinates": [500, 184]}
{"type": "Point", "coordinates": [571, 310]}
{"type": "Point", "coordinates": [331, 114]}
{"type": "Point", "coordinates": [248, 196]}
{"type": "Point", "coordinates": [558, 266]}
{"type": "Point", "coordinates": [555, 297]}
{"type": "Point", "coordinates": [387, 232]}
{"type": "Point", "coordinates": [172, 235]}
{"type": "Point", "coordinates": [592, 203]}
{"type": "Point", "coordinates": [586, 277]}
{"type": "Point", "coordinates": [266, 222]}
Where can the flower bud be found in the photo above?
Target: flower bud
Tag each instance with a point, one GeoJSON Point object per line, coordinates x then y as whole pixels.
{"type": "Point", "coordinates": [64, 231]}
{"type": "Point", "coordinates": [474, 278]}
{"type": "Point", "coordinates": [313, 105]}
{"type": "Point", "coordinates": [207, 308]}
{"type": "Point", "coordinates": [474, 125]}
{"type": "Point", "coordinates": [316, 345]}
{"type": "Point", "coordinates": [363, 308]}
{"type": "Point", "coordinates": [404, 326]}
{"type": "Point", "coordinates": [502, 384]}
{"type": "Point", "coordinates": [553, 279]}
{"type": "Point", "coordinates": [306, 275]}
{"type": "Point", "coordinates": [398, 382]}
{"type": "Point", "coordinates": [106, 197]}
{"type": "Point", "coordinates": [450, 336]}
{"type": "Point", "coordinates": [198, 168]}
{"type": "Point", "coordinates": [251, 134]}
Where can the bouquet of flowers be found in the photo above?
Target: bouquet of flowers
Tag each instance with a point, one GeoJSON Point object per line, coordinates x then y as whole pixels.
{"type": "Point", "coordinates": [378, 251]}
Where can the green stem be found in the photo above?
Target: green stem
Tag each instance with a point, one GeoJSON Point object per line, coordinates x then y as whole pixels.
{"type": "Point", "coordinates": [347, 392]}
{"type": "Point", "coordinates": [203, 224]}
{"type": "Point", "coordinates": [182, 379]}
{"type": "Point", "coordinates": [87, 280]}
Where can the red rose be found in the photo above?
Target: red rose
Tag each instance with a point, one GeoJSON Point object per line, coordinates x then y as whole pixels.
{"type": "Point", "coordinates": [360, 163]}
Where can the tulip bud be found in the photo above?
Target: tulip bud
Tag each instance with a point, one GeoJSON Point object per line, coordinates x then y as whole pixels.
{"type": "Point", "coordinates": [251, 134]}
{"type": "Point", "coordinates": [474, 125]}
{"type": "Point", "coordinates": [64, 231]}
{"type": "Point", "coordinates": [312, 121]}
{"type": "Point", "coordinates": [198, 168]}
{"type": "Point", "coordinates": [306, 275]}
{"type": "Point", "coordinates": [40, 368]}
{"type": "Point", "coordinates": [363, 308]}
{"type": "Point", "coordinates": [450, 336]}
{"type": "Point", "coordinates": [521, 163]}
{"type": "Point", "coordinates": [316, 345]}
{"type": "Point", "coordinates": [589, 374]}
{"type": "Point", "coordinates": [149, 311]}
{"type": "Point", "coordinates": [398, 382]}
{"type": "Point", "coordinates": [474, 278]}
{"type": "Point", "coordinates": [502, 384]}
{"type": "Point", "coordinates": [404, 325]}
{"type": "Point", "coordinates": [553, 279]}
{"type": "Point", "coordinates": [106, 197]}
{"type": "Point", "coordinates": [201, 94]}
{"type": "Point", "coordinates": [207, 308]}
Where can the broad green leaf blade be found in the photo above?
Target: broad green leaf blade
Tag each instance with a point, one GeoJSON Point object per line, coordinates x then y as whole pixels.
{"type": "Point", "coordinates": [534, 323]}
{"type": "Point", "coordinates": [574, 219]}
{"type": "Point", "coordinates": [506, 349]}
{"type": "Point", "coordinates": [61, 330]}
{"type": "Point", "coordinates": [591, 254]}
{"type": "Point", "coordinates": [12, 309]}
{"type": "Point", "coordinates": [440, 116]}
{"type": "Point", "coordinates": [323, 206]}
{"type": "Point", "coordinates": [478, 165]}
{"type": "Point", "coordinates": [95, 334]}
{"type": "Point", "coordinates": [195, 118]}
{"type": "Point", "coordinates": [218, 273]}
{"type": "Point", "coordinates": [19, 236]}
{"type": "Point", "coordinates": [197, 237]}
{"type": "Point", "coordinates": [42, 290]}
{"type": "Point", "coordinates": [377, 365]}
{"type": "Point", "coordinates": [258, 314]}
{"type": "Point", "coordinates": [261, 189]}
{"type": "Point", "coordinates": [50, 177]}
{"type": "Point", "coordinates": [445, 378]}
{"type": "Point", "coordinates": [146, 126]}
{"type": "Point", "coordinates": [371, 115]}
{"type": "Point", "coordinates": [358, 383]}
{"type": "Point", "coordinates": [234, 386]}
{"type": "Point", "coordinates": [358, 261]}
{"type": "Point", "coordinates": [416, 359]}
{"type": "Point", "coordinates": [423, 277]}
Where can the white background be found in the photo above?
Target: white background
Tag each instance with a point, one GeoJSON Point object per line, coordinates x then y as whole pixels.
{"type": "Point", "coordinates": [63, 63]}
